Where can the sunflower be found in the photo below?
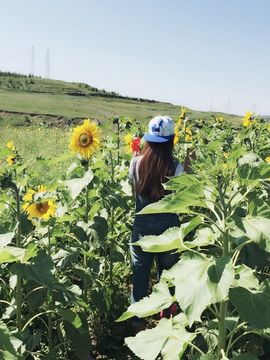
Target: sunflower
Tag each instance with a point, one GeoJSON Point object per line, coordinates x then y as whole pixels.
{"type": "Point", "coordinates": [246, 122]}
{"type": "Point", "coordinates": [85, 139]}
{"type": "Point", "coordinates": [247, 119]}
{"type": "Point", "coordinates": [10, 159]}
{"type": "Point", "coordinates": [42, 210]}
{"type": "Point", "coordinates": [133, 143]}
{"type": "Point", "coordinates": [176, 136]}
{"type": "Point", "coordinates": [31, 192]}
{"type": "Point", "coordinates": [128, 141]}
{"type": "Point", "coordinates": [10, 145]}
{"type": "Point", "coordinates": [188, 136]}
{"type": "Point", "coordinates": [183, 113]}
{"type": "Point", "coordinates": [177, 131]}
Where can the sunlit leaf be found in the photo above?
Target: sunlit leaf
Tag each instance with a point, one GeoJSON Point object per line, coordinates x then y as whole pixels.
{"type": "Point", "coordinates": [159, 299]}
{"type": "Point", "coordinates": [201, 281]}
{"type": "Point", "coordinates": [203, 237]}
{"type": "Point", "coordinates": [249, 158]}
{"type": "Point", "coordinates": [75, 186]}
{"type": "Point", "coordinates": [6, 239]}
{"type": "Point", "coordinates": [10, 254]}
{"type": "Point", "coordinates": [167, 338]}
{"type": "Point", "coordinates": [258, 207]}
{"type": "Point", "coordinates": [245, 277]}
{"type": "Point", "coordinates": [249, 173]}
{"type": "Point", "coordinates": [256, 229]}
{"type": "Point", "coordinates": [181, 181]}
{"type": "Point", "coordinates": [173, 239]}
{"type": "Point", "coordinates": [210, 194]}
{"type": "Point", "coordinates": [179, 202]}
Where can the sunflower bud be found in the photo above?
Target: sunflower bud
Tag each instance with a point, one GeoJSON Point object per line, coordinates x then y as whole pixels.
{"type": "Point", "coordinates": [6, 182]}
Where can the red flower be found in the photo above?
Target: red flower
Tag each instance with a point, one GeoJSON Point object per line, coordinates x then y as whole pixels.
{"type": "Point", "coordinates": [136, 145]}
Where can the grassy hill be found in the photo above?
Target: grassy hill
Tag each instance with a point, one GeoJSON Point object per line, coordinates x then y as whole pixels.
{"type": "Point", "coordinates": [26, 100]}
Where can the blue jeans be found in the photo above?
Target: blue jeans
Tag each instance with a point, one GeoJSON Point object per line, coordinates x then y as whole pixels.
{"type": "Point", "coordinates": [151, 224]}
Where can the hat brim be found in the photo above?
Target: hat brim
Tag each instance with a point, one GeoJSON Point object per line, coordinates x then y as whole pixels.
{"type": "Point", "coordinates": [157, 139]}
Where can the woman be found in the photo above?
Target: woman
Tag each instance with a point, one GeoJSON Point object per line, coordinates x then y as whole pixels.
{"type": "Point", "coordinates": [147, 172]}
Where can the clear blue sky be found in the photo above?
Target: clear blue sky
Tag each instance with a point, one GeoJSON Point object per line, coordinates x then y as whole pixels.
{"type": "Point", "coordinates": [205, 54]}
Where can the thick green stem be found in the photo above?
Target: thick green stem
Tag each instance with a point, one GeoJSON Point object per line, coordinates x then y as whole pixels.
{"type": "Point", "coordinates": [222, 200]}
{"type": "Point", "coordinates": [112, 221]}
{"type": "Point", "coordinates": [19, 279]}
{"type": "Point", "coordinates": [50, 335]}
{"type": "Point", "coordinates": [221, 327]}
{"type": "Point", "coordinates": [87, 202]}
{"type": "Point", "coordinates": [118, 143]}
{"type": "Point", "coordinates": [87, 209]}
{"type": "Point", "coordinates": [18, 215]}
{"type": "Point", "coordinates": [49, 240]}
{"type": "Point", "coordinates": [50, 303]}
{"type": "Point", "coordinates": [85, 281]}
{"type": "Point", "coordinates": [87, 205]}
{"type": "Point", "coordinates": [19, 303]}
{"type": "Point", "coordinates": [223, 306]}
{"type": "Point", "coordinates": [111, 247]}
{"type": "Point", "coordinates": [222, 332]}
{"type": "Point", "coordinates": [112, 167]}
{"type": "Point", "coordinates": [226, 245]}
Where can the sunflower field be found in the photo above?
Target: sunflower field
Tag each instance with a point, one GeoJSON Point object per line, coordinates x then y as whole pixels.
{"type": "Point", "coordinates": [64, 247]}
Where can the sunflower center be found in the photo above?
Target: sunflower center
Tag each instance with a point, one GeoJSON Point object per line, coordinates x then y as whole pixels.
{"type": "Point", "coordinates": [42, 207]}
{"type": "Point", "coordinates": [85, 139]}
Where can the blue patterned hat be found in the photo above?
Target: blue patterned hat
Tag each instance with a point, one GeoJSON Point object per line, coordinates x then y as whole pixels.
{"type": "Point", "coordinates": [161, 129]}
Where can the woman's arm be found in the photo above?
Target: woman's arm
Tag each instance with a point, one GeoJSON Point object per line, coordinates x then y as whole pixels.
{"type": "Point", "coordinates": [131, 176]}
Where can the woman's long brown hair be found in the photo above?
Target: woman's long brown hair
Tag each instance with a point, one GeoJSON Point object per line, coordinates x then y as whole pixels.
{"type": "Point", "coordinates": [155, 166]}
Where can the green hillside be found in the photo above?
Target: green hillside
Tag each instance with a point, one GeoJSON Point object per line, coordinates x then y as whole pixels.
{"type": "Point", "coordinates": [26, 99]}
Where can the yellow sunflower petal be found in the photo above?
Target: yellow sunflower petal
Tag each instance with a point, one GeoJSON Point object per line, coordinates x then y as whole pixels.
{"type": "Point", "coordinates": [247, 119]}
{"type": "Point", "coordinates": [29, 195]}
{"type": "Point", "coordinates": [246, 122]}
{"type": "Point", "coordinates": [128, 139]}
{"type": "Point", "coordinates": [41, 188]}
{"type": "Point", "coordinates": [188, 138]}
{"type": "Point", "coordinates": [42, 210]}
{"type": "Point", "coordinates": [85, 139]}
{"type": "Point", "coordinates": [10, 145]}
{"type": "Point", "coordinates": [10, 160]}
{"type": "Point", "coordinates": [176, 137]}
